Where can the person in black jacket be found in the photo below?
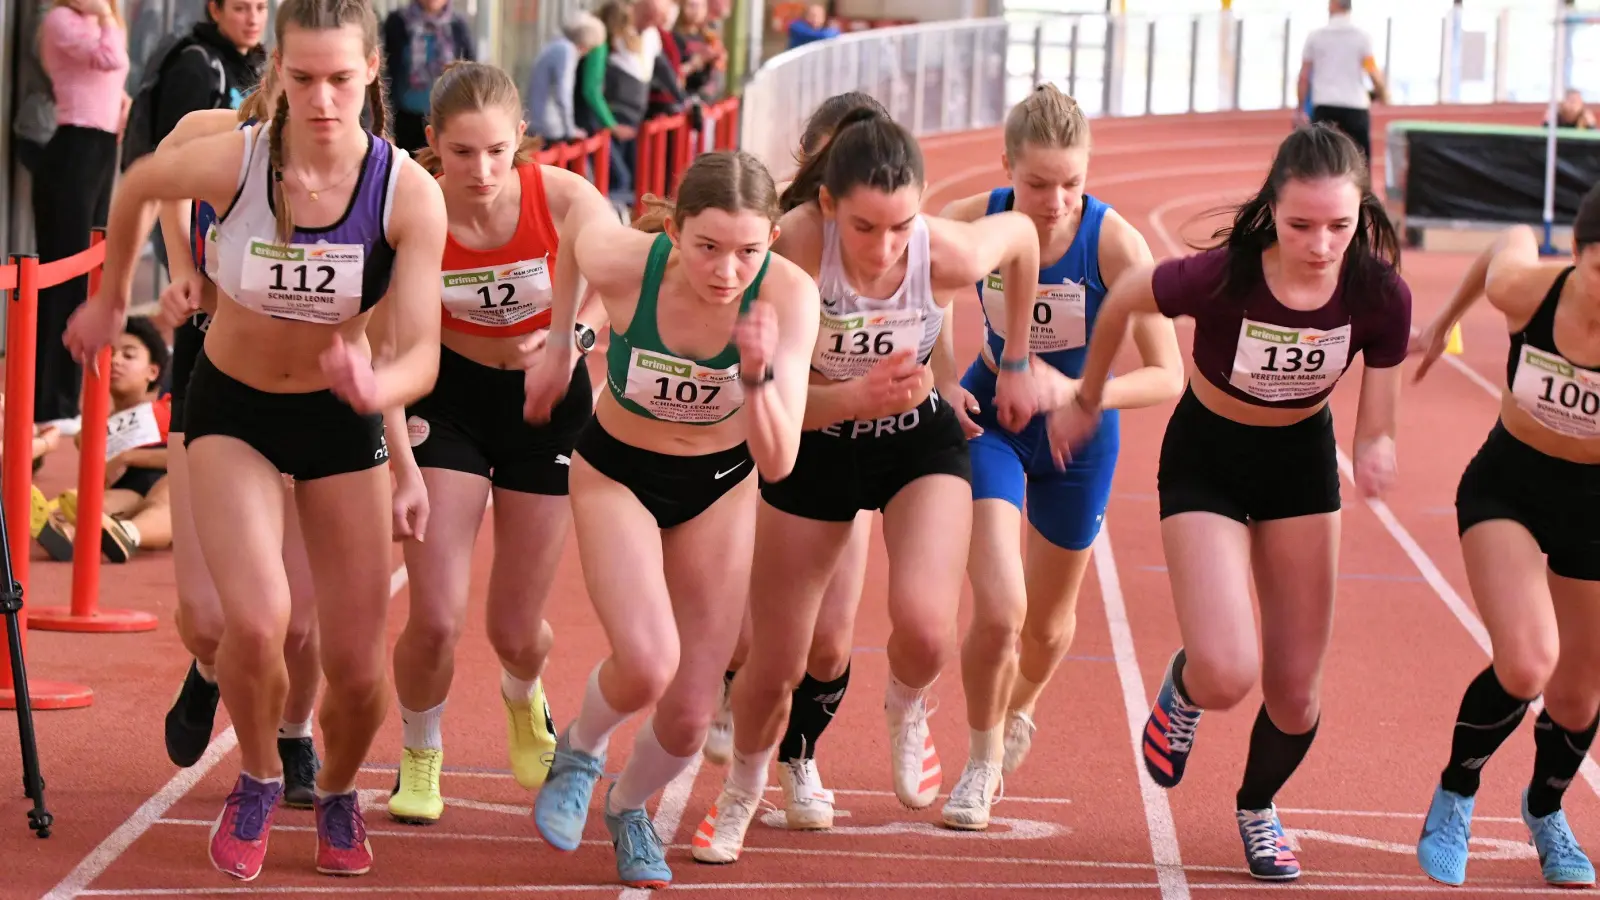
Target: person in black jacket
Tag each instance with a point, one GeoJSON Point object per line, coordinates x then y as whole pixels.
{"type": "Point", "coordinates": [419, 40]}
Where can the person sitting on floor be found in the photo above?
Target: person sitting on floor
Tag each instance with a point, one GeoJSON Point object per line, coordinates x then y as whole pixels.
{"type": "Point", "coordinates": [137, 512]}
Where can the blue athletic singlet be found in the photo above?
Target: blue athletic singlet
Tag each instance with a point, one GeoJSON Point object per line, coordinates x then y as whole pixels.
{"type": "Point", "coordinates": [1067, 507]}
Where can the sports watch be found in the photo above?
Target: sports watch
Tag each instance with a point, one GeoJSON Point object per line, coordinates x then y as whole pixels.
{"type": "Point", "coordinates": [584, 337]}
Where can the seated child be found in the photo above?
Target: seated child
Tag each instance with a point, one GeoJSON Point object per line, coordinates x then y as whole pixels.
{"type": "Point", "coordinates": [137, 511]}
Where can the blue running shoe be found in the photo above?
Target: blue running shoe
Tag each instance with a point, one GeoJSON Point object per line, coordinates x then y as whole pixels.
{"type": "Point", "coordinates": [562, 807]}
{"type": "Point", "coordinates": [1266, 847]}
{"type": "Point", "coordinates": [1563, 861]}
{"type": "Point", "coordinates": [1169, 733]}
{"type": "Point", "coordinates": [1442, 848]}
{"type": "Point", "coordinates": [641, 860]}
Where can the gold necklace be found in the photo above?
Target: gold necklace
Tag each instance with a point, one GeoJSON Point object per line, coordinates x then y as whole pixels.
{"type": "Point", "coordinates": [315, 192]}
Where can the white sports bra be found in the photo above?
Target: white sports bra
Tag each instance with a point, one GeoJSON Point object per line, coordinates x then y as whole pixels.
{"type": "Point", "coordinates": [857, 332]}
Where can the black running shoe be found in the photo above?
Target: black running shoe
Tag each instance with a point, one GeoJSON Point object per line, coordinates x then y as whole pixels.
{"type": "Point", "coordinates": [300, 765]}
{"type": "Point", "coordinates": [190, 720]}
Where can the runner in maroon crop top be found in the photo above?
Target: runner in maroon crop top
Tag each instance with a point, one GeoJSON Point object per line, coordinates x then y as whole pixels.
{"type": "Point", "coordinates": [1302, 281]}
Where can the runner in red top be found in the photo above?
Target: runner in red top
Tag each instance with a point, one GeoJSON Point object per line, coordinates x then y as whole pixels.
{"type": "Point", "coordinates": [468, 436]}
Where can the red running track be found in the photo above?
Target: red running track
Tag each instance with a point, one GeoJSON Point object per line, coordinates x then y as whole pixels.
{"type": "Point", "coordinates": [1080, 819]}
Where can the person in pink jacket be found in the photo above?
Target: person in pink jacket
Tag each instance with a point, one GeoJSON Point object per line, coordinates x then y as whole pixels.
{"type": "Point", "coordinates": [83, 46]}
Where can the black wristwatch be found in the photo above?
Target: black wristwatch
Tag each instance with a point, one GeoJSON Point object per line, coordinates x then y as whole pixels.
{"type": "Point", "coordinates": [584, 337]}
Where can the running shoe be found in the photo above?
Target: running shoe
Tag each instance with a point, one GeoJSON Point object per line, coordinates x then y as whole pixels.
{"type": "Point", "coordinates": [190, 719]}
{"type": "Point", "coordinates": [720, 837]}
{"type": "Point", "coordinates": [973, 796]}
{"type": "Point", "coordinates": [641, 860]}
{"type": "Point", "coordinates": [1169, 733]}
{"type": "Point", "coordinates": [342, 845]}
{"type": "Point", "coordinates": [1563, 861]}
{"type": "Point", "coordinates": [1019, 739]}
{"type": "Point", "coordinates": [807, 805]}
{"type": "Point", "coordinates": [1442, 848]}
{"type": "Point", "coordinates": [530, 737]}
{"type": "Point", "coordinates": [913, 759]}
{"type": "Point", "coordinates": [561, 810]}
{"type": "Point", "coordinates": [1266, 847]}
{"type": "Point", "coordinates": [416, 799]}
{"type": "Point", "coordinates": [300, 767]}
{"type": "Point", "coordinates": [239, 836]}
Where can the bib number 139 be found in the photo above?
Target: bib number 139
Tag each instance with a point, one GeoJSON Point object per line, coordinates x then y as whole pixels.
{"type": "Point", "coordinates": [1294, 359]}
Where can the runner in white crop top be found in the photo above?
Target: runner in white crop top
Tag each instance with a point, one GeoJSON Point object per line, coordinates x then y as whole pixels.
{"type": "Point", "coordinates": [881, 438]}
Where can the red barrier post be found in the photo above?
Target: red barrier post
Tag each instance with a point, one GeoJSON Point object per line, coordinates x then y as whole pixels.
{"type": "Point", "coordinates": [85, 615]}
{"type": "Point", "coordinates": [16, 477]}
{"type": "Point", "coordinates": [600, 147]}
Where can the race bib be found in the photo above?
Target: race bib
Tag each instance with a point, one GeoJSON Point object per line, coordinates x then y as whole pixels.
{"type": "Point", "coordinates": [1273, 364]}
{"type": "Point", "coordinates": [849, 346]}
{"type": "Point", "coordinates": [1060, 319]}
{"type": "Point", "coordinates": [1561, 396]}
{"type": "Point", "coordinates": [306, 282]}
{"type": "Point", "coordinates": [679, 390]}
{"type": "Point", "coordinates": [211, 252]}
{"type": "Point", "coordinates": [130, 429]}
{"type": "Point", "coordinates": [500, 296]}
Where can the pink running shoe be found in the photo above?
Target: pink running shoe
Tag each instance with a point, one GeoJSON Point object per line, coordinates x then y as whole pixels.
{"type": "Point", "coordinates": [342, 847]}
{"type": "Point", "coordinates": [239, 837]}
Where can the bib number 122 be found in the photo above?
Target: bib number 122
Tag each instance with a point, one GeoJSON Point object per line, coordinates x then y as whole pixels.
{"type": "Point", "coordinates": [301, 270]}
{"type": "Point", "coordinates": [1294, 359]}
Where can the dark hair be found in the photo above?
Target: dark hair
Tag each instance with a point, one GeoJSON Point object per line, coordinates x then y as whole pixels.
{"type": "Point", "coordinates": [867, 148]}
{"type": "Point", "coordinates": [729, 180]}
{"type": "Point", "coordinates": [826, 117]}
{"type": "Point", "coordinates": [145, 331]}
{"type": "Point", "coordinates": [1586, 227]}
{"type": "Point", "coordinates": [465, 86]}
{"type": "Point", "coordinates": [1310, 152]}
{"type": "Point", "coordinates": [322, 15]}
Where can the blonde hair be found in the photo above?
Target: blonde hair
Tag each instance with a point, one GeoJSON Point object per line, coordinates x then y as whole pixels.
{"type": "Point", "coordinates": [116, 10]}
{"type": "Point", "coordinates": [321, 15]}
{"type": "Point", "coordinates": [259, 104]}
{"type": "Point", "coordinates": [465, 87]}
{"type": "Point", "coordinates": [1046, 118]}
{"type": "Point", "coordinates": [732, 181]}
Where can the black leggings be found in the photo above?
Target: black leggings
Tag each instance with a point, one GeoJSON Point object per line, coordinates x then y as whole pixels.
{"type": "Point", "coordinates": [71, 195]}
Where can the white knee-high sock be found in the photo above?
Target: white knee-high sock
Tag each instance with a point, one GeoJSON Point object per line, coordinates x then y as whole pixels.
{"type": "Point", "coordinates": [591, 731]}
{"type": "Point", "coordinates": [649, 769]}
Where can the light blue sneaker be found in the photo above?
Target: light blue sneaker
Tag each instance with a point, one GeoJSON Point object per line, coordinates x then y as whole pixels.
{"type": "Point", "coordinates": [641, 860]}
{"type": "Point", "coordinates": [1563, 861]}
{"type": "Point", "coordinates": [562, 807]}
{"type": "Point", "coordinates": [1442, 849]}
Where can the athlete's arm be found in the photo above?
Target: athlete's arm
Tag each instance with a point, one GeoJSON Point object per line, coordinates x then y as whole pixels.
{"type": "Point", "coordinates": [174, 215]}
{"type": "Point", "coordinates": [417, 228]}
{"type": "Point", "coordinates": [1123, 249]}
{"type": "Point", "coordinates": [1373, 450]}
{"type": "Point", "coordinates": [800, 242]}
{"type": "Point", "coordinates": [967, 209]}
{"type": "Point", "coordinates": [1132, 294]}
{"type": "Point", "coordinates": [574, 199]}
{"type": "Point", "coordinates": [1510, 273]}
{"type": "Point", "coordinates": [776, 409]}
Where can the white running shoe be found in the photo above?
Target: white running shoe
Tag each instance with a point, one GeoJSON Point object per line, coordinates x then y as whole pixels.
{"type": "Point", "coordinates": [973, 796]}
{"type": "Point", "coordinates": [719, 740]}
{"type": "Point", "coordinates": [1019, 738]}
{"type": "Point", "coordinates": [913, 759]}
{"type": "Point", "coordinates": [720, 837]}
{"type": "Point", "coordinates": [808, 806]}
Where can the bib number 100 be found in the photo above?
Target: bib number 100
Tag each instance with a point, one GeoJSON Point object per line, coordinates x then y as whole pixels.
{"type": "Point", "coordinates": [302, 271]}
{"type": "Point", "coordinates": [686, 391]}
{"type": "Point", "coordinates": [1294, 359]}
{"type": "Point", "coordinates": [1571, 396]}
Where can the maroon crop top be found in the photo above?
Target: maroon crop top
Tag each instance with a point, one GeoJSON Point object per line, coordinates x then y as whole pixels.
{"type": "Point", "coordinates": [1265, 353]}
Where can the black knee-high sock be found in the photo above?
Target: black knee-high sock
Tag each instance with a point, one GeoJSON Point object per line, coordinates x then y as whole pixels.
{"type": "Point", "coordinates": [1273, 758]}
{"type": "Point", "coordinates": [1487, 717]}
{"type": "Point", "coordinates": [1556, 757]}
{"type": "Point", "coordinates": [812, 708]}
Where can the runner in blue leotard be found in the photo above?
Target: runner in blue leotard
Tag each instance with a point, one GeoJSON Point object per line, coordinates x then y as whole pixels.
{"type": "Point", "coordinates": [1088, 245]}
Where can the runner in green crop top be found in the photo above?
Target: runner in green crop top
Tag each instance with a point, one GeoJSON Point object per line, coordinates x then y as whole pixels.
{"type": "Point", "coordinates": [694, 392]}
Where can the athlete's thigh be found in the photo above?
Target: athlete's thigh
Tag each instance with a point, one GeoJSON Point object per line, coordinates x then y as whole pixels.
{"type": "Point", "coordinates": [927, 529]}
{"type": "Point", "coordinates": [834, 632]}
{"type": "Point", "coordinates": [237, 506]}
{"type": "Point", "coordinates": [1296, 566]}
{"type": "Point", "coordinates": [793, 561]}
{"type": "Point", "coordinates": [346, 520]}
{"type": "Point", "coordinates": [530, 532]}
{"type": "Point", "coordinates": [439, 567]}
{"type": "Point", "coordinates": [707, 567]}
{"type": "Point", "coordinates": [620, 552]}
{"type": "Point", "coordinates": [1208, 565]}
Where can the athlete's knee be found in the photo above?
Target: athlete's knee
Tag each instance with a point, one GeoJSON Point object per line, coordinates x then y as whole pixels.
{"type": "Point", "coordinates": [997, 621]}
{"type": "Point", "coordinates": [522, 647]}
{"type": "Point", "coordinates": [433, 630]}
{"type": "Point", "coordinates": [642, 678]}
{"type": "Point", "coordinates": [925, 641]}
{"type": "Point", "coordinates": [1294, 705]}
{"type": "Point", "coordinates": [1524, 667]}
{"type": "Point", "coordinates": [681, 729]}
{"type": "Point", "coordinates": [354, 669]}
{"type": "Point", "coordinates": [1219, 680]}
{"type": "Point", "coordinates": [828, 659]}
{"type": "Point", "coordinates": [1051, 635]}
{"type": "Point", "coordinates": [1572, 697]}
{"type": "Point", "coordinates": [201, 626]}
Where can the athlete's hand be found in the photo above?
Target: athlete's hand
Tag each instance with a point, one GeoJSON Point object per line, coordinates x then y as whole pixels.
{"type": "Point", "coordinates": [756, 336]}
{"type": "Point", "coordinates": [965, 405]}
{"type": "Point", "coordinates": [1055, 388]}
{"type": "Point", "coordinates": [547, 382]}
{"type": "Point", "coordinates": [1016, 399]}
{"type": "Point", "coordinates": [92, 326]}
{"type": "Point", "coordinates": [179, 300]}
{"type": "Point", "coordinates": [350, 376]}
{"type": "Point", "coordinates": [1069, 427]}
{"type": "Point", "coordinates": [531, 349]}
{"type": "Point", "coordinates": [1375, 466]}
{"type": "Point", "coordinates": [891, 387]}
{"type": "Point", "coordinates": [410, 506]}
{"type": "Point", "coordinates": [1429, 343]}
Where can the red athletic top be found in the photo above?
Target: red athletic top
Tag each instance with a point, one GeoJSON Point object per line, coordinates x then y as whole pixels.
{"type": "Point", "coordinates": [1264, 353]}
{"type": "Point", "coordinates": [504, 291]}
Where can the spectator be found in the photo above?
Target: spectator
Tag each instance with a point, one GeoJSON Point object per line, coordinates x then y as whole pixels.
{"type": "Point", "coordinates": [705, 59]}
{"type": "Point", "coordinates": [219, 65]}
{"type": "Point", "coordinates": [553, 85]}
{"type": "Point", "coordinates": [83, 47]}
{"type": "Point", "coordinates": [35, 119]}
{"type": "Point", "coordinates": [1335, 64]}
{"type": "Point", "coordinates": [1573, 112]}
{"type": "Point", "coordinates": [813, 26]}
{"type": "Point", "coordinates": [419, 40]}
{"type": "Point", "coordinates": [614, 82]}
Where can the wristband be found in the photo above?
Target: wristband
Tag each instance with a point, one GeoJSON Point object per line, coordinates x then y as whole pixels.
{"type": "Point", "coordinates": [1012, 365]}
{"type": "Point", "coordinates": [766, 376]}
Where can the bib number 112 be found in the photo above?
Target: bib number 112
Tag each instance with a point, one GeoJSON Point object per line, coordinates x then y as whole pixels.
{"type": "Point", "coordinates": [302, 271]}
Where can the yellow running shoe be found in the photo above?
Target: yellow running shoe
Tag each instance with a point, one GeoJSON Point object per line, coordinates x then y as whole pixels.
{"type": "Point", "coordinates": [67, 503]}
{"type": "Point", "coordinates": [416, 799]}
{"type": "Point", "coordinates": [530, 737]}
{"type": "Point", "coordinates": [40, 512]}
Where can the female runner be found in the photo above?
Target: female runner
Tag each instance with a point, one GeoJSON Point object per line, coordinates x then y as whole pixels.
{"type": "Point", "coordinates": [808, 806]}
{"type": "Point", "coordinates": [879, 437]}
{"type": "Point", "coordinates": [190, 299]}
{"type": "Point", "coordinates": [318, 217]}
{"type": "Point", "coordinates": [710, 333]}
{"type": "Point", "coordinates": [468, 436]}
{"type": "Point", "coordinates": [1525, 509]}
{"type": "Point", "coordinates": [1088, 246]}
{"type": "Point", "coordinates": [1249, 482]}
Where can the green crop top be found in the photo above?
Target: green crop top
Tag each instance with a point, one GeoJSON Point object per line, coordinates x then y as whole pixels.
{"type": "Point", "coordinates": [650, 381]}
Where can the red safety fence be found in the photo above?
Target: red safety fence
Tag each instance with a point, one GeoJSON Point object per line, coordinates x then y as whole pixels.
{"type": "Point", "coordinates": [590, 157]}
{"type": "Point", "coordinates": [24, 278]}
{"type": "Point", "coordinates": [668, 144]}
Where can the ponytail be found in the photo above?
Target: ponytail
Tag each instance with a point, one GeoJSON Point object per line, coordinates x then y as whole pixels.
{"type": "Point", "coordinates": [280, 197]}
{"type": "Point", "coordinates": [813, 175]}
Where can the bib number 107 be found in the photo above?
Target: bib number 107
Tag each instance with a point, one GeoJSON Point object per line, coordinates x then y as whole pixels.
{"type": "Point", "coordinates": [686, 392]}
{"type": "Point", "coordinates": [302, 271]}
{"type": "Point", "coordinates": [1294, 359]}
{"type": "Point", "coordinates": [879, 343]}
